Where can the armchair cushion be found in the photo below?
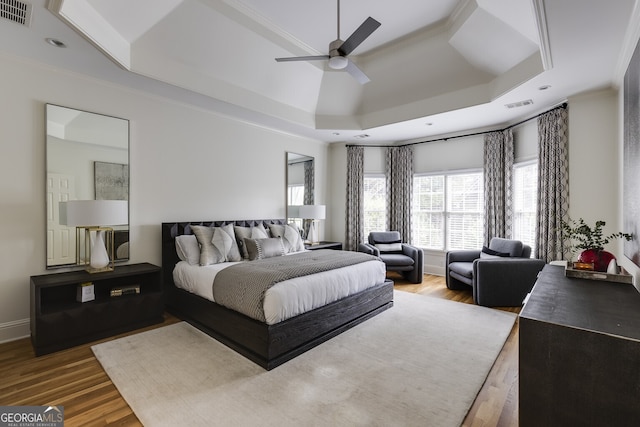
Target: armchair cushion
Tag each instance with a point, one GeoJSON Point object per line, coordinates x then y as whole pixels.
{"type": "Point", "coordinates": [464, 269]}
{"type": "Point", "coordinates": [397, 260]}
{"type": "Point", "coordinates": [512, 247]}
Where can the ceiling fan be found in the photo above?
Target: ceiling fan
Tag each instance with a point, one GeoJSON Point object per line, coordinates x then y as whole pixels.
{"type": "Point", "coordinates": [339, 50]}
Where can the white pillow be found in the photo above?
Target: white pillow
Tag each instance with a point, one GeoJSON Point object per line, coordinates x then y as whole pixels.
{"type": "Point", "coordinates": [290, 237]}
{"type": "Point", "coordinates": [188, 249]}
{"type": "Point", "coordinates": [389, 247]}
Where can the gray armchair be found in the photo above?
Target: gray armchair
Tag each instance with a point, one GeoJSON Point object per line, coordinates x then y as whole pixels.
{"type": "Point", "coordinates": [397, 256]}
{"type": "Point", "coordinates": [500, 276]}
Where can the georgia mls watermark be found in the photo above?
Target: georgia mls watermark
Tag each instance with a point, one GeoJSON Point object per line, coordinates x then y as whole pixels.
{"type": "Point", "coordinates": [31, 416]}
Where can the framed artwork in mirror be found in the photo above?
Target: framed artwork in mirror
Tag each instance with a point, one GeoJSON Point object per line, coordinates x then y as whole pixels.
{"type": "Point", "coordinates": [111, 181]}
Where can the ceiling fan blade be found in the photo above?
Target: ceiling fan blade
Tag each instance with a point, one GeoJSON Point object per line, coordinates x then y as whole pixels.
{"type": "Point", "coordinates": [358, 36]}
{"type": "Point", "coordinates": [303, 58]}
{"type": "Point", "coordinates": [357, 73]}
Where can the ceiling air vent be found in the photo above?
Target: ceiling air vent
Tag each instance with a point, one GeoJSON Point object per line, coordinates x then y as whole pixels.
{"type": "Point", "coordinates": [520, 104]}
{"type": "Point", "coordinates": [361, 136]}
{"type": "Point", "coordinates": [16, 11]}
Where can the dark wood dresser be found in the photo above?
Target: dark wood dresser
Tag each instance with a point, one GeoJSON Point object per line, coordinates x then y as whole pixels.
{"type": "Point", "coordinates": [59, 321]}
{"type": "Point", "coordinates": [579, 353]}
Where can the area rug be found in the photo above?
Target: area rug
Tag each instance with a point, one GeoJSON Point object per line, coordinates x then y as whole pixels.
{"type": "Point", "coordinates": [420, 363]}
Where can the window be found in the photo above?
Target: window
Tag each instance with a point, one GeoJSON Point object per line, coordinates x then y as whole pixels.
{"type": "Point", "coordinates": [447, 211]}
{"type": "Point", "coordinates": [525, 200]}
{"type": "Point", "coordinates": [428, 211]}
{"type": "Point", "coordinates": [465, 210]}
{"type": "Point", "coordinates": [375, 206]}
{"type": "Point", "coordinates": [295, 194]}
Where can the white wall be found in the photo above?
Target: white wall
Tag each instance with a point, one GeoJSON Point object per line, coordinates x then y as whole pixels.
{"type": "Point", "coordinates": [186, 164]}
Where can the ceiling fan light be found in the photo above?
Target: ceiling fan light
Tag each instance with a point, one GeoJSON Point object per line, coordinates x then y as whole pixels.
{"type": "Point", "coordinates": [338, 62]}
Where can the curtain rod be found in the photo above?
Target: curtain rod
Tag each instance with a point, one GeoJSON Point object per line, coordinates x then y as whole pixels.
{"type": "Point", "coordinates": [563, 105]}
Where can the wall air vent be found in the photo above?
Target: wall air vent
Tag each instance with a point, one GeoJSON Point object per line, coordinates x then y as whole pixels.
{"type": "Point", "coordinates": [16, 11]}
{"type": "Point", "coordinates": [520, 104]}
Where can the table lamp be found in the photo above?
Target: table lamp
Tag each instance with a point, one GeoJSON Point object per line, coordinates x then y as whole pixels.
{"type": "Point", "coordinates": [313, 213]}
{"type": "Point", "coordinates": [92, 217]}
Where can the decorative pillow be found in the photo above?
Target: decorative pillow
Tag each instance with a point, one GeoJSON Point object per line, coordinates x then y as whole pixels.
{"type": "Point", "coordinates": [264, 248]}
{"type": "Point", "coordinates": [291, 238]}
{"type": "Point", "coordinates": [217, 244]}
{"type": "Point", "coordinates": [490, 253]}
{"type": "Point", "coordinates": [257, 232]}
{"type": "Point", "coordinates": [224, 240]}
{"type": "Point", "coordinates": [187, 248]}
{"type": "Point", "coordinates": [395, 247]}
{"type": "Point", "coordinates": [204, 235]}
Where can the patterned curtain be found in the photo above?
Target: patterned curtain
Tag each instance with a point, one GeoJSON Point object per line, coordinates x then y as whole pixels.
{"type": "Point", "coordinates": [309, 191]}
{"type": "Point", "coordinates": [553, 184]}
{"type": "Point", "coordinates": [498, 185]}
{"type": "Point", "coordinates": [355, 196]}
{"type": "Point", "coordinates": [399, 181]}
{"type": "Point", "coordinates": [309, 183]}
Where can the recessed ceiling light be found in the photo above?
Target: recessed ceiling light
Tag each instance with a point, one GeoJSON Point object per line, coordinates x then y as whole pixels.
{"type": "Point", "coordinates": [544, 87]}
{"type": "Point", "coordinates": [55, 42]}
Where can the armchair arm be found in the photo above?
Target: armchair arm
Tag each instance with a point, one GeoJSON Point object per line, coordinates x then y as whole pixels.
{"type": "Point", "coordinates": [504, 282]}
{"type": "Point", "coordinates": [462, 256]}
{"type": "Point", "coordinates": [415, 253]}
{"type": "Point", "coordinates": [410, 251]}
{"type": "Point", "coordinates": [368, 249]}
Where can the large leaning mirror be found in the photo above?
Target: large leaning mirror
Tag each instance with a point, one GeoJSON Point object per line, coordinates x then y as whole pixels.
{"type": "Point", "coordinates": [87, 159]}
{"type": "Point", "coordinates": [300, 181]}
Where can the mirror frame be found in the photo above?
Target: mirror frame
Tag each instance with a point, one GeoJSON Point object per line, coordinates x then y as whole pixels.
{"type": "Point", "coordinates": [97, 143]}
{"type": "Point", "coordinates": [292, 158]}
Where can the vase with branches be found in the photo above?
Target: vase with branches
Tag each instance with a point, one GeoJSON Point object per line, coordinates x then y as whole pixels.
{"type": "Point", "coordinates": [591, 241]}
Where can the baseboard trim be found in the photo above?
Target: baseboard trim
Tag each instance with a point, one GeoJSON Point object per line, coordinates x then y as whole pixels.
{"type": "Point", "coordinates": [15, 330]}
{"type": "Point", "coordinates": [434, 269]}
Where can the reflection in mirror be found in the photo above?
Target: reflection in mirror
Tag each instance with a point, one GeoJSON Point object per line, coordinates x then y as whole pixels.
{"type": "Point", "coordinates": [87, 159]}
{"type": "Point", "coordinates": [300, 185]}
{"type": "Point", "coordinates": [300, 179]}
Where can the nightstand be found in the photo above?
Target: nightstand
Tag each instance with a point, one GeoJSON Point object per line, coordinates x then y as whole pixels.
{"type": "Point", "coordinates": [324, 245]}
{"type": "Point", "coordinates": [59, 321]}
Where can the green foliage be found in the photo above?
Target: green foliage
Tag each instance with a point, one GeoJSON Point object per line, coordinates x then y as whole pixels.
{"type": "Point", "coordinates": [582, 237]}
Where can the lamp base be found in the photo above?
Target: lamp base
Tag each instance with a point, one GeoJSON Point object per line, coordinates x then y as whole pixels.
{"type": "Point", "coordinates": [314, 233]}
{"type": "Point", "coordinates": [92, 250]}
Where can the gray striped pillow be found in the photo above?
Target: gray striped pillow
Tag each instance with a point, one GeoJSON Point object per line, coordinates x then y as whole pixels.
{"type": "Point", "coordinates": [264, 248]}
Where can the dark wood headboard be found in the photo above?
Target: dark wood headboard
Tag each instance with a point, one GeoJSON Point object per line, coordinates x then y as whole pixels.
{"type": "Point", "coordinates": [172, 229]}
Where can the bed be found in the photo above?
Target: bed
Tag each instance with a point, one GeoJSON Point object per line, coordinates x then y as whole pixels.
{"type": "Point", "coordinates": [268, 345]}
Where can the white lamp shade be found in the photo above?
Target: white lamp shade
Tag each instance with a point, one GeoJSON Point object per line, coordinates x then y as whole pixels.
{"type": "Point", "coordinates": [312, 211]}
{"type": "Point", "coordinates": [293, 211]}
{"type": "Point", "coordinates": [78, 213]}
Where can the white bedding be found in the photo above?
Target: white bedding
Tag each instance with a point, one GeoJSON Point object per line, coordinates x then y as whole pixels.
{"type": "Point", "coordinates": [291, 297]}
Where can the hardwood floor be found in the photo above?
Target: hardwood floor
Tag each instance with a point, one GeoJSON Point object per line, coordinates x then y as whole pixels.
{"type": "Point", "coordinates": [74, 379]}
